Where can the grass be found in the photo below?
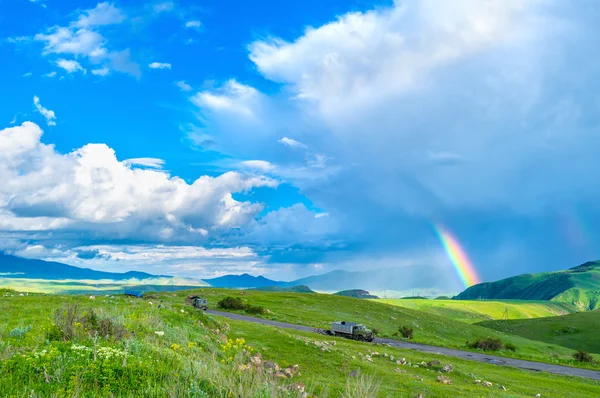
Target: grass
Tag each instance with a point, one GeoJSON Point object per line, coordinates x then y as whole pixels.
{"type": "Point", "coordinates": [198, 355]}
{"type": "Point", "coordinates": [577, 331]}
{"type": "Point", "coordinates": [319, 310]}
{"type": "Point", "coordinates": [472, 311]}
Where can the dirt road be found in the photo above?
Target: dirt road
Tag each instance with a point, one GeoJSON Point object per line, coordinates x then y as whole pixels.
{"type": "Point", "coordinates": [473, 356]}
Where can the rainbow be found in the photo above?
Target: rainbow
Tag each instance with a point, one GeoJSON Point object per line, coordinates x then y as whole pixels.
{"type": "Point", "coordinates": [457, 256]}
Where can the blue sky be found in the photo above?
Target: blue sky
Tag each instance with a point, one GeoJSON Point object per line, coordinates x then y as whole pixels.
{"type": "Point", "coordinates": [293, 138]}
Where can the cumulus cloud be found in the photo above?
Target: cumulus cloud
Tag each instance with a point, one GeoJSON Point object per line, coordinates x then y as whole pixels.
{"type": "Point", "coordinates": [427, 111]}
{"type": "Point", "coordinates": [164, 6]}
{"type": "Point", "coordinates": [47, 113]}
{"type": "Point", "coordinates": [70, 65]}
{"type": "Point", "coordinates": [103, 14]}
{"type": "Point", "coordinates": [90, 190]}
{"type": "Point", "coordinates": [50, 74]}
{"type": "Point", "coordinates": [257, 165]}
{"type": "Point", "coordinates": [159, 65]}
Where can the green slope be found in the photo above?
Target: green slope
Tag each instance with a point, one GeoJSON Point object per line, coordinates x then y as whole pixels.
{"type": "Point", "coordinates": [576, 331]}
{"type": "Point", "coordinates": [188, 357]}
{"type": "Point", "coordinates": [477, 311]}
{"type": "Point", "coordinates": [319, 310]}
{"type": "Point", "coordinates": [579, 286]}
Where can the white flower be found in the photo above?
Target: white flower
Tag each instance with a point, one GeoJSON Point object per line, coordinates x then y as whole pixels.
{"type": "Point", "coordinates": [159, 333]}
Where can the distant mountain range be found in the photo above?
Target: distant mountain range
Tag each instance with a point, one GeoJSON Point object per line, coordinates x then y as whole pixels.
{"type": "Point", "coordinates": [400, 278]}
{"type": "Point", "coordinates": [244, 281]}
{"type": "Point", "coordinates": [579, 286]}
{"type": "Point", "coordinates": [19, 267]}
{"type": "Point", "coordinates": [279, 289]}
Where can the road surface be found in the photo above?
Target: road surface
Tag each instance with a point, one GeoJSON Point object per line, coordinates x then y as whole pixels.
{"type": "Point", "coordinates": [473, 356]}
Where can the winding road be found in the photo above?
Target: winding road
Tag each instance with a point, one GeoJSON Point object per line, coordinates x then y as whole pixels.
{"type": "Point", "coordinates": [473, 356]}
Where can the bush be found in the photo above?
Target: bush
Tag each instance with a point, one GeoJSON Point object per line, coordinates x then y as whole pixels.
{"type": "Point", "coordinates": [488, 344]}
{"type": "Point", "coordinates": [510, 347]}
{"type": "Point", "coordinates": [582, 356]}
{"type": "Point", "coordinates": [70, 323]}
{"type": "Point", "coordinates": [376, 331]}
{"type": "Point", "coordinates": [406, 332]}
{"type": "Point", "coordinates": [255, 309]}
{"type": "Point", "coordinates": [232, 303]}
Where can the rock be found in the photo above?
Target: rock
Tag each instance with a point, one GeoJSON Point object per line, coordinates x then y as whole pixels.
{"type": "Point", "coordinates": [487, 384]}
{"type": "Point", "coordinates": [443, 379]}
{"type": "Point", "coordinates": [477, 381]}
{"type": "Point", "coordinates": [354, 373]}
{"type": "Point", "coordinates": [244, 368]}
{"type": "Point", "coordinates": [503, 388]}
{"type": "Point", "coordinates": [270, 365]}
{"type": "Point", "coordinates": [538, 395]}
{"type": "Point", "coordinates": [433, 363]}
{"type": "Point", "coordinates": [447, 368]}
{"type": "Point", "coordinates": [223, 338]}
{"type": "Point", "coordinates": [160, 333]}
{"type": "Point", "coordinates": [280, 375]}
{"type": "Point", "coordinates": [297, 387]}
{"type": "Point", "coordinates": [385, 355]}
{"type": "Point", "coordinates": [419, 396]}
{"type": "Point", "coordinates": [400, 370]}
{"type": "Point", "coordinates": [256, 359]}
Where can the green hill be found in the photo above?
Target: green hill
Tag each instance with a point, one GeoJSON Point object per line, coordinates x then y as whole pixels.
{"type": "Point", "coordinates": [356, 293]}
{"type": "Point", "coordinates": [579, 286]}
{"type": "Point", "coordinates": [292, 289]}
{"type": "Point", "coordinates": [477, 311]}
{"type": "Point", "coordinates": [577, 331]}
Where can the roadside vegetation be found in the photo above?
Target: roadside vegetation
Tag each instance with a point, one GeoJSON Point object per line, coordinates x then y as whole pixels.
{"type": "Point", "coordinates": [158, 347]}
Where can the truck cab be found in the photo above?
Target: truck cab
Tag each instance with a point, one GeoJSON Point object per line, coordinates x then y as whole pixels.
{"type": "Point", "coordinates": [197, 302]}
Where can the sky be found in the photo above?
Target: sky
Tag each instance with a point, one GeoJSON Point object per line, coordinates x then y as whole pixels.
{"type": "Point", "coordinates": [288, 139]}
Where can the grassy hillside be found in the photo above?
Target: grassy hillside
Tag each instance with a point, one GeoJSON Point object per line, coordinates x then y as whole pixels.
{"type": "Point", "coordinates": [319, 310]}
{"type": "Point", "coordinates": [577, 331]}
{"type": "Point", "coordinates": [579, 286]}
{"type": "Point", "coordinates": [53, 346]}
{"type": "Point", "coordinates": [477, 311]}
{"type": "Point", "coordinates": [291, 289]}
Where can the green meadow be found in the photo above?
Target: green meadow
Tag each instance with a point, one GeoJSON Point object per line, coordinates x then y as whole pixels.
{"type": "Point", "coordinates": [116, 346]}
{"type": "Point", "coordinates": [472, 311]}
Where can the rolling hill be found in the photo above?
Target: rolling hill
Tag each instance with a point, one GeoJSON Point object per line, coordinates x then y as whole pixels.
{"type": "Point", "coordinates": [19, 267]}
{"type": "Point", "coordinates": [292, 289]}
{"type": "Point", "coordinates": [577, 331]}
{"type": "Point", "coordinates": [356, 293]}
{"type": "Point", "coordinates": [579, 286]}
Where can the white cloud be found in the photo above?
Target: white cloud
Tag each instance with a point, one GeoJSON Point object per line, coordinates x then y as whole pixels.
{"type": "Point", "coordinates": [163, 7]}
{"type": "Point", "coordinates": [233, 97]}
{"type": "Point", "coordinates": [159, 65]}
{"type": "Point", "coordinates": [14, 120]}
{"type": "Point", "coordinates": [48, 114]}
{"type": "Point", "coordinates": [50, 74]}
{"type": "Point", "coordinates": [89, 190]}
{"type": "Point", "coordinates": [101, 72]}
{"type": "Point", "coordinates": [193, 24]}
{"type": "Point", "coordinates": [183, 86]}
{"type": "Point", "coordinates": [82, 38]}
{"type": "Point", "coordinates": [70, 65]}
{"type": "Point", "coordinates": [291, 142]}
{"type": "Point", "coordinates": [28, 74]}
{"type": "Point", "coordinates": [153, 163]}
{"type": "Point", "coordinates": [103, 14]}
{"type": "Point", "coordinates": [261, 165]}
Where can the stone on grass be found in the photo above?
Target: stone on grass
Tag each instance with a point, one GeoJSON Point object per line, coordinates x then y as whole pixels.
{"type": "Point", "coordinates": [487, 384]}
{"type": "Point", "coordinates": [354, 373]}
{"type": "Point", "coordinates": [443, 379]}
{"type": "Point", "coordinates": [447, 368]}
{"type": "Point", "coordinates": [435, 362]}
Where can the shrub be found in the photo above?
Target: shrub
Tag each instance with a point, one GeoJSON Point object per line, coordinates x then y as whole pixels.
{"type": "Point", "coordinates": [255, 309]}
{"type": "Point", "coordinates": [69, 323]}
{"type": "Point", "coordinates": [406, 332]}
{"type": "Point", "coordinates": [232, 303]}
{"type": "Point", "coordinates": [19, 332]}
{"type": "Point", "coordinates": [487, 344]}
{"type": "Point", "coordinates": [510, 347]}
{"type": "Point", "coordinates": [582, 356]}
{"type": "Point", "coordinates": [376, 331]}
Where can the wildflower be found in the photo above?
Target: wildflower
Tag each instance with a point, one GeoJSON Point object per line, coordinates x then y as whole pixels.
{"type": "Point", "coordinates": [159, 333]}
